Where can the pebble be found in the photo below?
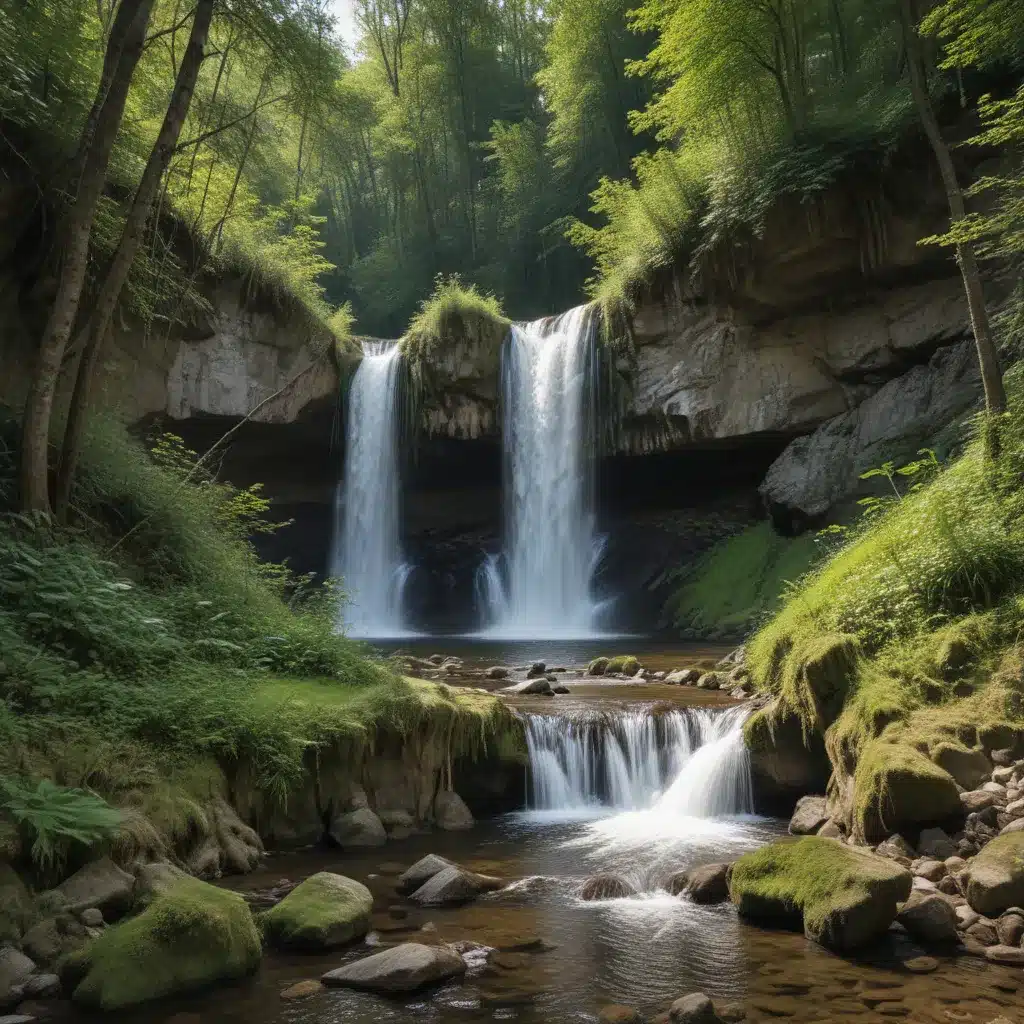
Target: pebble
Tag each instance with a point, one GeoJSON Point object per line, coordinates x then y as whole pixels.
{"type": "Point", "coordinates": [921, 964]}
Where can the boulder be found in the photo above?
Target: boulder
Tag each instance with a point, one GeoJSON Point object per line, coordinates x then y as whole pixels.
{"type": "Point", "coordinates": [708, 884]}
{"type": "Point", "coordinates": [92, 918]}
{"type": "Point", "coordinates": [359, 828]}
{"type": "Point", "coordinates": [497, 672]}
{"type": "Point", "coordinates": [53, 937]}
{"type": "Point", "coordinates": [624, 664]}
{"type": "Point", "coordinates": [929, 919]}
{"type": "Point", "coordinates": [325, 911]}
{"type": "Point", "coordinates": [404, 968]}
{"type": "Point", "coordinates": [897, 788]}
{"type": "Point", "coordinates": [696, 1008]}
{"type": "Point", "coordinates": [996, 876]}
{"type": "Point", "coordinates": [933, 870]}
{"type": "Point", "coordinates": [846, 896]}
{"type": "Point", "coordinates": [454, 885]}
{"type": "Point", "coordinates": [1010, 928]}
{"type": "Point", "coordinates": [809, 816]}
{"type": "Point", "coordinates": [1014, 827]}
{"type": "Point", "coordinates": [785, 763]}
{"type": "Point", "coordinates": [15, 904]}
{"type": "Point", "coordinates": [983, 932]}
{"type": "Point", "coordinates": [538, 668]}
{"type": "Point", "coordinates": [396, 819]}
{"type": "Point", "coordinates": [100, 884]}
{"type": "Point", "coordinates": [15, 969]}
{"type": "Point", "coordinates": [191, 936]}
{"type": "Point", "coordinates": [422, 871]}
{"type": "Point", "coordinates": [683, 676]}
{"type": "Point", "coordinates": [606, 887]}
{"type": "Point", "coordinates": [153, 879]}
{"type": "Point", "coordinates": [451, 813]}
{"type": "Point", "coordinates": [597, 667]}
{"type": "Point", "coordinates": [1011, 956]}
{"type": "Point", "coordinates": [969, 767]}
{"type": "Point", "coordinates": [935, 843]}
{"type": "Point", "coordinates": [531, 687]}
{"type": "Point", "coordinates": [302, 990]}
{"type": "Point", "coordinates": [976, 800]}
{"type": "Point", "coordinates": [896, 848]}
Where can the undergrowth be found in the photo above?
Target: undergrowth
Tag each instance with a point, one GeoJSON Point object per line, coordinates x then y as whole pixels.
{"type": "Point", "coordinates": [146, 653]}
{"type": "Point", "coordinates": [905, 644]}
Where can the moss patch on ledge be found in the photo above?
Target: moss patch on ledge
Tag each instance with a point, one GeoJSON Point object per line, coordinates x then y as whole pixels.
{"type": "Point", "coordinates": [740, 580]}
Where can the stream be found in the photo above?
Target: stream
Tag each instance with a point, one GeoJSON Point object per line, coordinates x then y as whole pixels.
{"type": "Point", "coordinates": [638, 780]}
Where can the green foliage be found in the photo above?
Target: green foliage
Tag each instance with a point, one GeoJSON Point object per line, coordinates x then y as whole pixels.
{"type": "Point", "coordinates": [53, 819]}
{"type": "Point", "coordinates": [740, 580]}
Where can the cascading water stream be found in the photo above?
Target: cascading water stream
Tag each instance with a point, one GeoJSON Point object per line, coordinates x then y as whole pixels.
{"type": "Point", "coordinates": [551, 551]}
{"type": "Point", "coordinates": [367, 552]}
{"type": "Point", "coordinates": [685, 763]}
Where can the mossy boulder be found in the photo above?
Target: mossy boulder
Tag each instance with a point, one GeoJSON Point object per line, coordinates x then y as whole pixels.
{"type": "Point", "coordinates": [969, 768]}
{"type": "Point", "coordinates": [996, 880]}
{"type": "Point", "coordinates": [817, 677]}
{"type": "Point", "coordinates": [325, 912]}
{"type": "Point", "coordinates": [846, 897]}
{"type": "Point", "coordinates": [786, 763]}
{"type": "Point", "coordinates": [621, 664]}
{"type": "Point", "coordinates": [597, 667]}
{"type": "Point", "coordinates": [897, 788]}
{"type": "Point", "coordinates": [191, 936]}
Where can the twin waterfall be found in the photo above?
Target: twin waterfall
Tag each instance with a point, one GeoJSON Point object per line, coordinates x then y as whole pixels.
{"type": "Point", "coordinates": [690, 762]}
{"type": "Point", "coordinates": [540, 586]}
{"type": "Point", "coordinates": [367, 553]}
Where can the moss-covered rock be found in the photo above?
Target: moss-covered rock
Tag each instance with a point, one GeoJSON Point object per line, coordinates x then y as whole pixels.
{"type": "Point", "coordinates": [626, 664]}
{"type": "Point", "coordinates": [996, 880]}
{"type": "Point", "coordinates": [970, 768]}
{"type": "Point", "coordinates": [845, 896]}
{"type": "Point", "coordinates": [786, 762]}
{"type": "Point", "coordinates": [191, 936]}
{"type": "Point", "coordinates": [597, 667]}
{"type": "Point", "coordinates": [897, 788]}
{"type": "Point", "coordinates": [817, 676]}
{"type": "Point", "coordinates": [324, 912]}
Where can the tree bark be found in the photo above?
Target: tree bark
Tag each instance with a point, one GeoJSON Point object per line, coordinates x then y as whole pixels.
{"type": "Point", "coordinates": [131, 239]}
{"type": "Point", "coordinates": [988, 355]}
{"type": "Point", "coordinates": [39, 405]}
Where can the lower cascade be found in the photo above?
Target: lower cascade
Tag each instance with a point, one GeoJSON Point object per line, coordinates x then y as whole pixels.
{"type": "Point", "coordinates": [548, 373]}
{"type": "Point", "coordinates": [367, 551]}
{"type": "Point", "coordinates": [687, 763]}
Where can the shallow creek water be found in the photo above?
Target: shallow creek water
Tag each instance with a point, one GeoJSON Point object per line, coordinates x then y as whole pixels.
{"type": "Point", "coordinates": [561, 959]}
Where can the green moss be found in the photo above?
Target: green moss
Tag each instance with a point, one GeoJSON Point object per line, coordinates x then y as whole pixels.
{"type": "Point", "coordinates": [191, 936]}
{"type": "Point", "coordinates": [626, 664]}
{"type": "Point", "coordinates": [740, 580]}
{"type": "Point", "coordinates": [324, 912]}
{"type": "Point", "coordinates": [456, 314]}
{"type": "Point", "coordinates": [845, 896]}
{"type": "Point", "coordinates": [896, 785]}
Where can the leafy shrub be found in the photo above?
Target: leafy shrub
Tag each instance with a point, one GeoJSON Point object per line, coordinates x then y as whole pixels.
{"type": "Point", "coordinates": [53, 819]}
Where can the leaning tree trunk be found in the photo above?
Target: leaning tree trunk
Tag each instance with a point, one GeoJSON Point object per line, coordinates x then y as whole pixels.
{"type": "Point", "coordinates": [988, 356]}
{"type": "Point", "coordinates": [131, 239]}
{"type": "Point", "coordinates": [74, 263]}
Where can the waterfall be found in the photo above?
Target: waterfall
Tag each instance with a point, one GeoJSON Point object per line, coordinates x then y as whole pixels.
{"type": "Point", "coordinates": [685, 763]}
{"type": "Point", "coordinates": [548, 374]}
{"type": "Point", "coordinates": [367, 551]}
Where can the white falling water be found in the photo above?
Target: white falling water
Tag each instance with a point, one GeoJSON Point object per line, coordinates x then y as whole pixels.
{"type": "Point", "coordinates": [551, 551]}
{"type": "Point", "coordinates": [367, 546]}
{"type": "Point", "coordinates": [687, 763]}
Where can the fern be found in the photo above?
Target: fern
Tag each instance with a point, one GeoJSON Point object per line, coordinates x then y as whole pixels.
{"type": "Point", "coordinates": [53, 818]}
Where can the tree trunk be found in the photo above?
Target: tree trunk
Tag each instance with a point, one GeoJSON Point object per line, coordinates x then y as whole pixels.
{"type": "Point", "coordinates": [39, 405]}
{"type": "Point", "coordinates": [988, 355]}
{"type": "Point", "coordinates": [131, 238]}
